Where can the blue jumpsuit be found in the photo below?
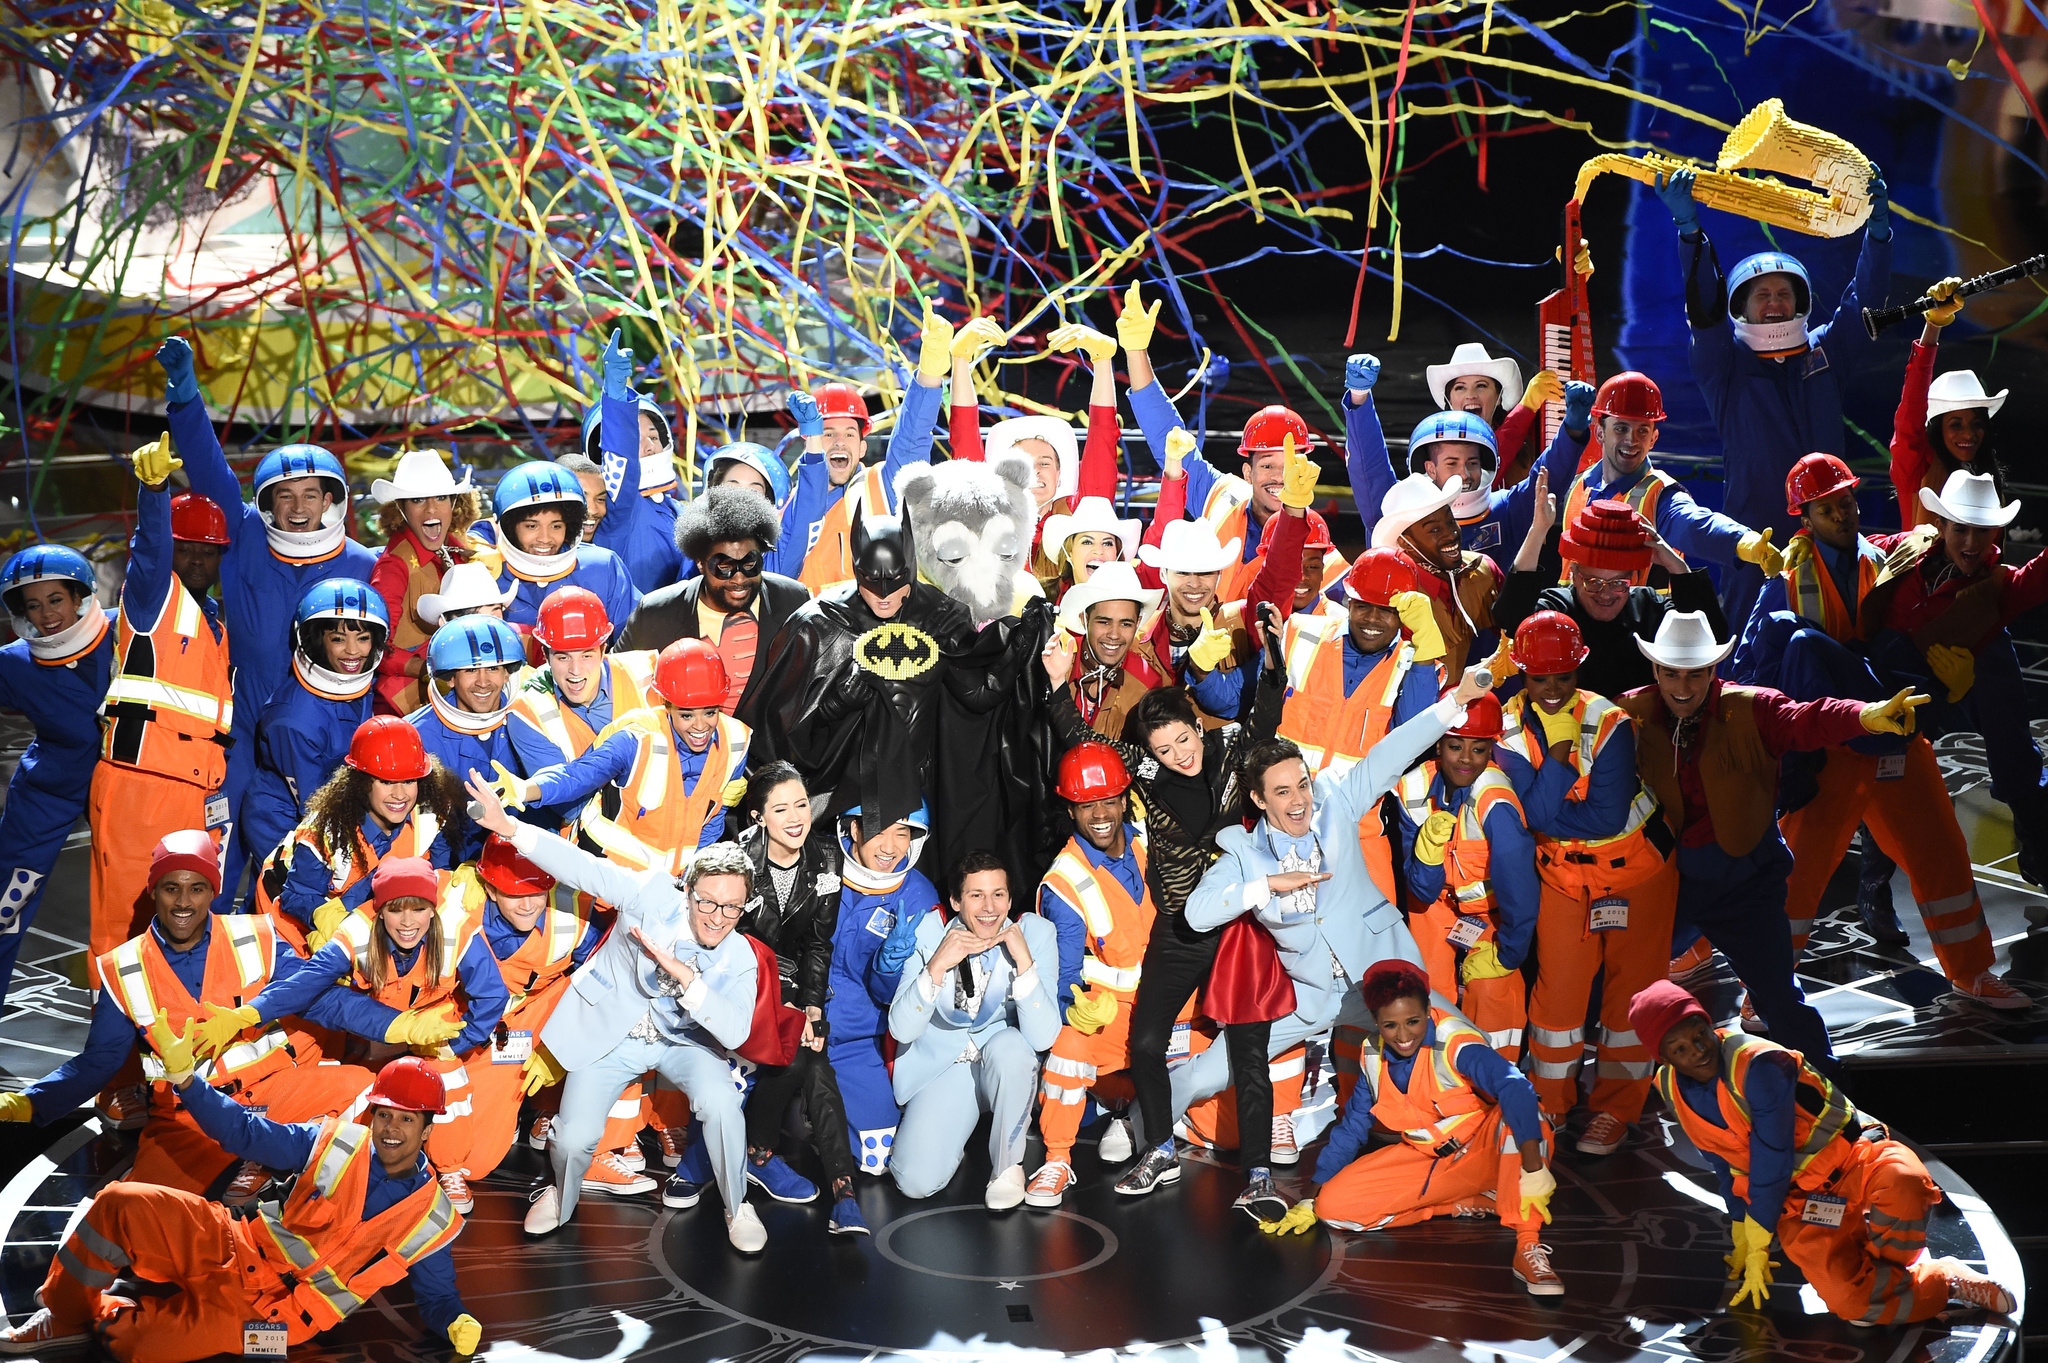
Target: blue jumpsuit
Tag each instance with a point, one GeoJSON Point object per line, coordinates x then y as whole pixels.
{"type": "Point", "coordinates": [1683, 523]}
{"type": "Point", "coordinates": [597, 570]}
{"type": "Point", "coordinates": [300, 742]}
{"type": "Point", "coordinates": [260, 590]}
{"type": "Point", "coordinates": [857, 998]}
{"type": "Point", "coordinates": [640, 529]}
{"type": "Point", "coordinates": [910, 443]}
{"type": "Point", "coordinates": [536, 750]}
{"type": "Point", "coordinates": [329, 970]}
{"type": "Point", "coordinates": [461, 753]}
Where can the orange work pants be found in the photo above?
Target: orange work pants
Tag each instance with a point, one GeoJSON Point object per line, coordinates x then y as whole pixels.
{"type": "Point", "coordinates": [1864, 1269]}
{"type": "Point", "coordinates": [1568, 955]}
{"type": "Point", "coordinates": [1497, 1007]}
{"type": "Point", "coordinates": [130, 811]}
{"type": "Point", "coordinates": [174, 1153]}
{"type": "Point", "coordinates": [1401, 1185]}
{"type": "Point", "coordinates": [1914, 821]}
{"type": "Point", "coordinates": [1079, 1063]}
{"type": "Point", "coordinates": [454, 1130]}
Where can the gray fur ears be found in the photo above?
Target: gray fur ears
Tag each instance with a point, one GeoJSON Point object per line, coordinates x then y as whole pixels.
{"type": "Point", "coordinates": [1014, 468]}
{"type": "Point", "coordinates": [914, 482]}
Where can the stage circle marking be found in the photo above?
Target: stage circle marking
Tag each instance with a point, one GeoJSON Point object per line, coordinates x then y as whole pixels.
{"type": "Point", "coordinates": [1108, 1251]}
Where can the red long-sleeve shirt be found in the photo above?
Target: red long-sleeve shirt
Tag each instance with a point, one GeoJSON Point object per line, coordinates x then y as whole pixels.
{"type": "Point", "coordinates": [1912, 456]}
{"type": "Point", "coordinates": [1929, 591]}
{"type": "Point", "coordinates": [1095, 478]}
{"type": "Point", "coordinates": [1279, 574]}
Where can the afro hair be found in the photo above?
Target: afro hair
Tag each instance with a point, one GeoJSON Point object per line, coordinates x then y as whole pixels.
{"type": "Point", "coordinates": [1393, 979]}
{"type": "Point", "coordinates": [723, 514]}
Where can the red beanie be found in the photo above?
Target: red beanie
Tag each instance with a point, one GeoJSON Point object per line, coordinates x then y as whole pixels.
{"type": "Point", "coordinates": [1606, 534]}
{"type": "Point", "coordinates": [188, 849]}
{"type": "Point", "coordinates": [1391, 979]}
{"type": "Point", "coordinates": [404, 878]}
{"type": "Point", "coordinates": [1659, 1008]}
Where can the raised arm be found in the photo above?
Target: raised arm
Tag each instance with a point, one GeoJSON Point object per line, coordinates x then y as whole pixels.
{"type": "Point", "coordinates": [193, 436]}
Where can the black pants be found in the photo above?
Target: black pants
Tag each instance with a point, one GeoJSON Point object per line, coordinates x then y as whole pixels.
{"type": "Point", "coordinates": [1178, 959]}
{"type": "Point", "coordinates": [810, 1077]}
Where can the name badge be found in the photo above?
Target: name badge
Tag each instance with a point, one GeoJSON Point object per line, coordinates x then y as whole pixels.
{"type": "Point", "coordinates": [1891, 767]}
{"type": "Point", "coordinates": [882, 922]}
{"type": "Point", "coordinates": [262, 1339]}
{"type": "Point", "coordinates": [1824, 1210]}
{"type": "Point", "coordinates": [216, 812]}
{"type": "Point", "coordinates": [511, 1048]}
{"type": "Point", "coordinates": [1177, 1045]}
{"type": "Point", "coordinates": [1486, 536]}
{"type": "Point", "coordinates": [826, 884]}
{"type": "Point", "coordinates": [1468, 932]}
{"type": "Point", "coordinates": [1609, 913]}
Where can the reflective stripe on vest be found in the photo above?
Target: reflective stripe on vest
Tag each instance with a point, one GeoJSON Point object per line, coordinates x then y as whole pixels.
{"type": "Point", "coordinates": [1811, 592]}
{"type": "Point", "coordinates": [1329, 746]}
{"type": "Point", "coordinates": [645, 789]}
{"type": "Point", "coordinates": [170, 694]}
{"type": "Point", "coordinates": [1474, 895]}
{"type": "Point", "coordinates": [1072, 879]}
{"type": "Point", "coordinates": [828, 559]}
{"type": "Point", "coordinates": [251, 946]}
{"type": "Point", "coordinates": [1642, 498]}
{"type": "Point", "coordinates": [1599, 719]}
{"type": "Point", "coordinates": [629, 674]}
{"type": "Point", "coordinates": [1739, 1049]}
{"type": "Point", "coordinates": [1447, 1086]}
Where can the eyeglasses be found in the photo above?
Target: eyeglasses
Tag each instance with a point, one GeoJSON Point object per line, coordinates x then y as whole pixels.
{"type": "Point", "coordinates": [732, 911]}
{"type": "Point", "coordinates": [1604, 586]}
{"type": "Point", "coordinates": [725, 569]}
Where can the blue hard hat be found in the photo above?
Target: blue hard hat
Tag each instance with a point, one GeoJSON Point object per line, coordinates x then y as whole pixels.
{"type": "Point", "coordinates": [1440, 427]}
{"type": "Point", "coordinates": [298, 461]}
{"type": "Point", "coordinates": [921, 819]}
{"type": "Point", "coordinates": [760, 459]}
{"type": "Point", "coordinates": [475, 641]}
{"type": "Point", "coordinates": [1762, 263]}
{"type": "Point", "coordinates": [44, 563]}
{"type": "Point", "coordinates": [593, 444]}
{"type": "Point", "coordinates": [338, 598]}
{"type": "Point", "coordinates": [538, 483]}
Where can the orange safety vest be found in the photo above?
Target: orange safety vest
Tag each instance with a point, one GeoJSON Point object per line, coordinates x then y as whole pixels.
{"type": "Point", "coordinates": [322, 1259]}
{"type": "Point", "coordinates": [828, 561]}
{"type": "Point", "coordinates": [1439, 1106]}
{"type": "Point", "coordinates": [1810, 589]}
{"type": "Point", "coordinates": [170, 703]}
{"type": "Point", "coordinates": [1642, 498]}
{"type": "Point", "coordinates": [1821, 1113]}
{"type": "Point", "coordinates": [1578, 864]}
{"type": "Point", "coordinates": [239, 957]}
{"type": "Point", "coordinates": [631, 678]}
{"type": "Point", "coordinates": [658, 822]}
{"type": "Point", "coordinates": [1468, 857]}
{"type": "Point", "coordinates": [454, 920]}
{"type": "Point", "coordinates": [1227, 512]}
{"type": "Point", "coordinates": [344, 868]}
{"type": "Point", "coordinates": [1118, 927]}
{"type": "Point", "coordinates": [535, 971]}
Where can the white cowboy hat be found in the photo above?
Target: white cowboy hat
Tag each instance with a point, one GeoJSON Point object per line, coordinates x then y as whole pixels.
{"type": "Point", "coordinates": [464, 587]}
{"type": "Point", "coordinates": [1002, 437]}
{"type": "Point", "coordinates": [1093, 513]}
{"type": "Point", "coordinates": [1971, 499]}
{"type": "Point", "coordinates": [419, 473]}
{"type": "Point", "coordinates": [1959, 389]}
{"type": "Point", "coordinates": [1111, 582]}
{"type": "Point", "coordinates": [1471, 358]}
{"type": "Point", "coordinates": [1189, 547]}
{"type": "Point", "coordinates": [1407, 502]}
{"type": "Point", "coordinates": [1685, 640]}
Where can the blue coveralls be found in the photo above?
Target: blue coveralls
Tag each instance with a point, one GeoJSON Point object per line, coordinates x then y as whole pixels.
{"type": "Point", "coordinates": [597, 570]}
{"type": "Point", "coordinates": [309, 881]}
{"type": "Point", "coordinates": [329, 971]}
{"type": "Point", "coordinates": [857, 998]}
{"type": "Point", "coordinates": [909, 443]}
{"type": "Point", "coordinates": [536, 750]}
{"type": "Point", "coordinates": [641, 530]}
{"type": "Point", "coordinates": [260, 590]}
{"type": "Point", "coordinates": [1683, 523]}
{"type": "Point", "coordinates": [300, 742]}
{"type": "Point", "coordinates": [462, 753]}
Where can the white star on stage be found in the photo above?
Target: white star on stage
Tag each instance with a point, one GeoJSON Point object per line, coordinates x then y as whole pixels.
{"type": "Point", "coordinates": [1006, 1287]}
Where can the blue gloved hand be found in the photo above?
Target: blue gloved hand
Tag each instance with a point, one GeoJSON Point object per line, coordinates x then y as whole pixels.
{"type": "Point", "coordinates": [618, 367]}
{"type": "Point", "coordinates": [1578, 404]}
{"type": "Point", "coordinates": [1880, 223]}
{"type": "Point", "coordinates": [174, 356]}
{"type": "Point", "coordinates": [1361, 372]}
{"type": "Point", "coordinates": [899, 945]}
{"type": "Point", "coordinates": [804, 408]}
{"type": "Point", "coordinates": [1216, 375]}
{"type": "Point", "coordinates": [1675, 190]}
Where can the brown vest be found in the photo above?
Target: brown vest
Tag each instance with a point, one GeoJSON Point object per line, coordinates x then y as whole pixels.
{"type": "Point", "coordinates": [1737, 769]}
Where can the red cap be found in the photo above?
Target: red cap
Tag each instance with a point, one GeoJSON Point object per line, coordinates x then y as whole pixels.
{"type": "Point", "coordinates": [572, 618]}
{"type": "Point", "coordinates": [504, 870]}
{"type": "Point", "coordinates": [1661, 1006]}
{"type": "Point", "coordinates": [404, 878]}
{"type": "Point", "coordinates": [1391, 979]}
{"type": "Point", "coordinates": [1268, 429]}
{"type": "Point", "coordinates": [409, 1084]}
{"type": "Point", "coordinates": [198, 520]}
{"type": "Point", "coordinates": [1092, 771]}
{"type": "Point", "coordinates": [1630, 396]}
{"type": "Point", "coordinates": [1548, 643]}
{"type": "Point", "coordinates": [840, 399]}
{"type": "Point", "coordinates": [1377, 575]}
{"type": "Point", "coordinates": [1606, 534]}
{"type": "Point", "coordinates": [1318, 536]}
{"type": "Point", "coordinates": [188, 849]}
{"type": "Point", "coordinates": [1482, 718]}
{"type": "Point", "coordinates": [1813, 477]}
{"type": "Point", "coordinates": [690, 674]}
{"type": "Point", "coordinates": [389, 749]}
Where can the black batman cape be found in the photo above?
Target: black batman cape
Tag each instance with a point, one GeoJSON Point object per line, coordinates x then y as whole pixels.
{"type": "Point", "coordinates": [995, 766]}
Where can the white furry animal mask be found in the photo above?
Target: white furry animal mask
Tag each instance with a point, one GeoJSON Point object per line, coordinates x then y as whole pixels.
{"type": "Point", "coordinates": [974, 525]}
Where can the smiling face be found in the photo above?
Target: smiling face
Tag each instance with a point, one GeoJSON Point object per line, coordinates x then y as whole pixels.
{"type": "Point", "coordinates": [398, 1136]}
{"type": "Point", "coordinates": [1460, 459]}
{"type": "Point", "coordinates": [52, 606]}
{"type": "Point", "coordinates": [786, 816]}
{"type": "Point", "coordinates": [578, 672]}
{"type": "Point", "coordinates": [983, 903]}
{"type": "Point", "coordinates": [1112, 628]}
{"type": "Point", "coordinates": [406, 921]}
{"type": "Point", "coordinates": [1045, 468]}
{"type": "Point", "coordinates": [695, 725]}
{"type": "Point", "coordinates": [392, 802]}
{"type": "Point", "coordinates": [522, 911]}
{"type": "Point", "coordinates": [1101, 823]}
{"type": "Point", "coordinates": [1472, 393]}
{"type": "Point", "coordinates": [594, 497]}
{"type": "Point", "coordinates": [1685, 689]}
{"type": "Point", "coordinates": [1691, 1048]}
{"type": "Point", "coordinates": [1088, 550]}
{"type": "Point", "coordinates": [346, 646]}
{"type": "Point", "coordinates": [541, 533]}
{"type": "Point", "coordinates": [1624, 443]}
{"type": "Point", "coordinates": [183, 900]}
{"type": "Point", "coordinates": [1770, 298]}
{"type": "Point", "coordinates": [1373, 628]}
{"type": "Point", "coordinates": [887, 851]}
{"type": "Point", "coordinates": [716, 903]}
{"type": "Point", "coordinates": [1552, 690]}
{"type": "Point", "coordinates": [480, 690]}
{"type": "Point", "coordinates": [732, 575]}
{"type": "Point", "coordinates": [1968, 547]}
{"type": "Point", "coordinates": [1286, 795]}
{"type": "Point", "coordinates": [427, 518]}
{"type": "Point", "coordinates": [1178, 746]}
{"type": "Point", "coordinates": [844, 446]}
{"type": "Point", "coordinates": [1266, 471]}
{"type": "Point", "coordinates": [299, 504]}
{"type": "Point", "coordinates": [1833, 519]}
{"type": "Point", "coordinates": [1403, 1025]}
{"type": "Point", "coordinates": [1460, 759]}
{"type": "Point", "coordinates": [1600, 595]}
{"type": "Point", "coordinates": [1189, 594]}
{"type": "Point", "coordinates": [1434, 539]}
{"type": "Point", "coordinates": [1964, 432]}
{"type": "Point", "coordinates": [1311, 584]}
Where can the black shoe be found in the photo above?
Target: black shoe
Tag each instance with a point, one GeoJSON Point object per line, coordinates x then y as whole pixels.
{"type": "Point", "coordinates": [1260, 1200]}
{"type": "Point", "coordinates": [680, 1193]}
{"type": "Point", "coordinates": [1874, 898]}
{"type": "Point", "coordinates": [1158, 1166]}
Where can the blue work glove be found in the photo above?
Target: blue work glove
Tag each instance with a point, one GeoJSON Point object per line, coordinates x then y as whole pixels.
{"type": "Point", "coordinates": [899, 945]}
{"type": "Point", "coordinates": [174, 356]}
{"type": "Point", "coordinates": [618, 367]}
{"type": "Point", "coordinates": [1361, 372]}
{"type": "Point", "coordinates": [1216, 375]}
{"type": "Point", "coordinates": [1675, 190]}
{"type": "Point", "coordinates": [1578, 404]}
{"type": "Point", "coordinates": [1880, 224]}
{"type": "Point", "coordinates": [804, 408]}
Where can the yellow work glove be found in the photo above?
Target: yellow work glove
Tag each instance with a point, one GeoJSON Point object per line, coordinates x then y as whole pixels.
{"type": "Point", "coordinates": [174, 1049]}
{"type": "Point", "coordinates": [1738, 1235]}
{"type": "Point", "coordinates": [1562, 727]}
{"type": "Point", "coordinates": [1080, 336]}
{"type": "Point", "coordinates": [1757, 1264]}
{"type": "Point", "coordinates": [1955, 668]}
{"type": "Point", "coordinates": [1211, 648]}
{"type": "Point", "coordinates": [1433, 836]}
{"type": "Point", "coordinates": [425, 1028]}
{"type": "Point", "coordinates": [980, 335]}
{"type": "Point", "coordinates": [1537, 1186]}
{"type": "Point", "coordinates": [541, 1070]}
{"type": "Point", "coordinates": [1755, 547]}
{"type": "Point", "coordinates": [465, 1333]}
{"type": "Point", "coordinates": [1545, 387]}
{"type": "Point", "coordinates": [1090, 1012]}
{"type": "Point", "coordinates": [1418, 617]}
{"type": "Point", "coordinates": [1582, 261]}
{"type": "Point", "coordinates": [222, 1026]}
{"type": "Point", "coordinates": [1948, 305]}
{"type": "Point", "coordinates": [16, 1107]}
{"type": "Point", "coordinates": [1502, 662]}
{"type": "Point", "coordinates": [326, 918]}
{"type": "Point", "coordinates": [1179, 445]}
{"type": "Point", "coordinates": [1135, 323]}
{"type": "Point", "coordinates": [154, 462]}
{"type": "Point", "coordinates": [1894, 716]}
{"type": "Point", "coordinates": [1798, 553]}
{"type": "Point", "coordinates": [512, 792]}
{"type": "Point", "coordinates": [935, 354]}
{"type": "Point", "coordinates": [1298, 478]}
{"type": "Point", "coordinates": [1299, 1218]}
{"type": "Point", "coordinates": [1482, 962]}
{"type": "Point", "coordinates": [733, 792]}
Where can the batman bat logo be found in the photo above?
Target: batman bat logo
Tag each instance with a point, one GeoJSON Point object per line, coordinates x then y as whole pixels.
{"type": "Point", "coordinates": [896, 652]}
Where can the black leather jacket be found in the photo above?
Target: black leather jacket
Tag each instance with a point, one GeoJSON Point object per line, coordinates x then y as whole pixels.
{"type": "Point", "coordinates": [801, 930]}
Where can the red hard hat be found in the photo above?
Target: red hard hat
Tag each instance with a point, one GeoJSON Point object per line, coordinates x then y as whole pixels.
{"type": "Point", "coordinates": [1268, 430]}
{"type": "Point", "coordinates": [198, 520]}
{"type": "Point", "coordinates": [1092, 771]}
{"type": "Point", "coordinates": [1816, 476]}
{"type": "Point", "coordinates": [572, 618]}
{"type": "Point", "coordinates": [1630, 396]}
{"type": "Point", "coordinates": [409, 1084]}
{"type": "Point", "coordinates": [842, 399]}
{"type": "Point", "coordinates": [689, 673]}
{"type": "Point", "coordinates": [1482, 718]}
{"type": "Point", "coordinates": [1548, 643]}
{"type": "Point", "coordinates": [1377, 575]}
{"type": "Point", "coordinates": [1318, 533]}
{"type": "Point", "coordinates": [504, 870]}
{"type": "Point", "coordinates": [188, 849]}
{"type": "Point", "coordinates": [389, 749]}
{"type": "Point", "coordinates": [404, 878]}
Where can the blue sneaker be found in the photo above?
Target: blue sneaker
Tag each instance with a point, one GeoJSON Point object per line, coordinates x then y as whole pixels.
{"type": "Point", "coordinates": [774, 1177]}
{"type": "Point", "coordinates": [680, 1192]}
{"type": "Point", "coordinates": [846, 1219]}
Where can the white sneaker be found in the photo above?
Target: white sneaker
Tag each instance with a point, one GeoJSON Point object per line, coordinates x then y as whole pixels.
{"type": "Point", "coordinates": [1285, 1151]}
{"type": "Point", "coordinates": [1115, 1145]}
{"type": "Point", "coordinates": [745, 1230]}
{"type": "Point", "coordinates": [1005, 1190]}
{"type": "Point", "coordinates": [546, 1212]}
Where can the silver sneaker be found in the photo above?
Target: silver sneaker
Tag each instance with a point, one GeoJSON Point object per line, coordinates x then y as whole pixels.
{"type": "Point", "coordinates": [1261, 1200]}
{"type": "Point", "coordinates": [1157, 1167]}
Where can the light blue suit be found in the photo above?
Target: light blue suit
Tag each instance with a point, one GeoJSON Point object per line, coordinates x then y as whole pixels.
{"type": "Point", "coordinates": [618, 986]}
{"type": "Point", "coordinates": [954, 1066]}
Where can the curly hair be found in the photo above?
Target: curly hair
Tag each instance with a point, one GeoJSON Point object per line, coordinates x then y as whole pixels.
{"type": "Point", "coordinates": [462, 514]}
{"type": "Point", "coordinates": [1394, 979]}
{"type": "Point", "coordinates": [337, 810]}
{"type": "Point", "coordinates": [723, 514]}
